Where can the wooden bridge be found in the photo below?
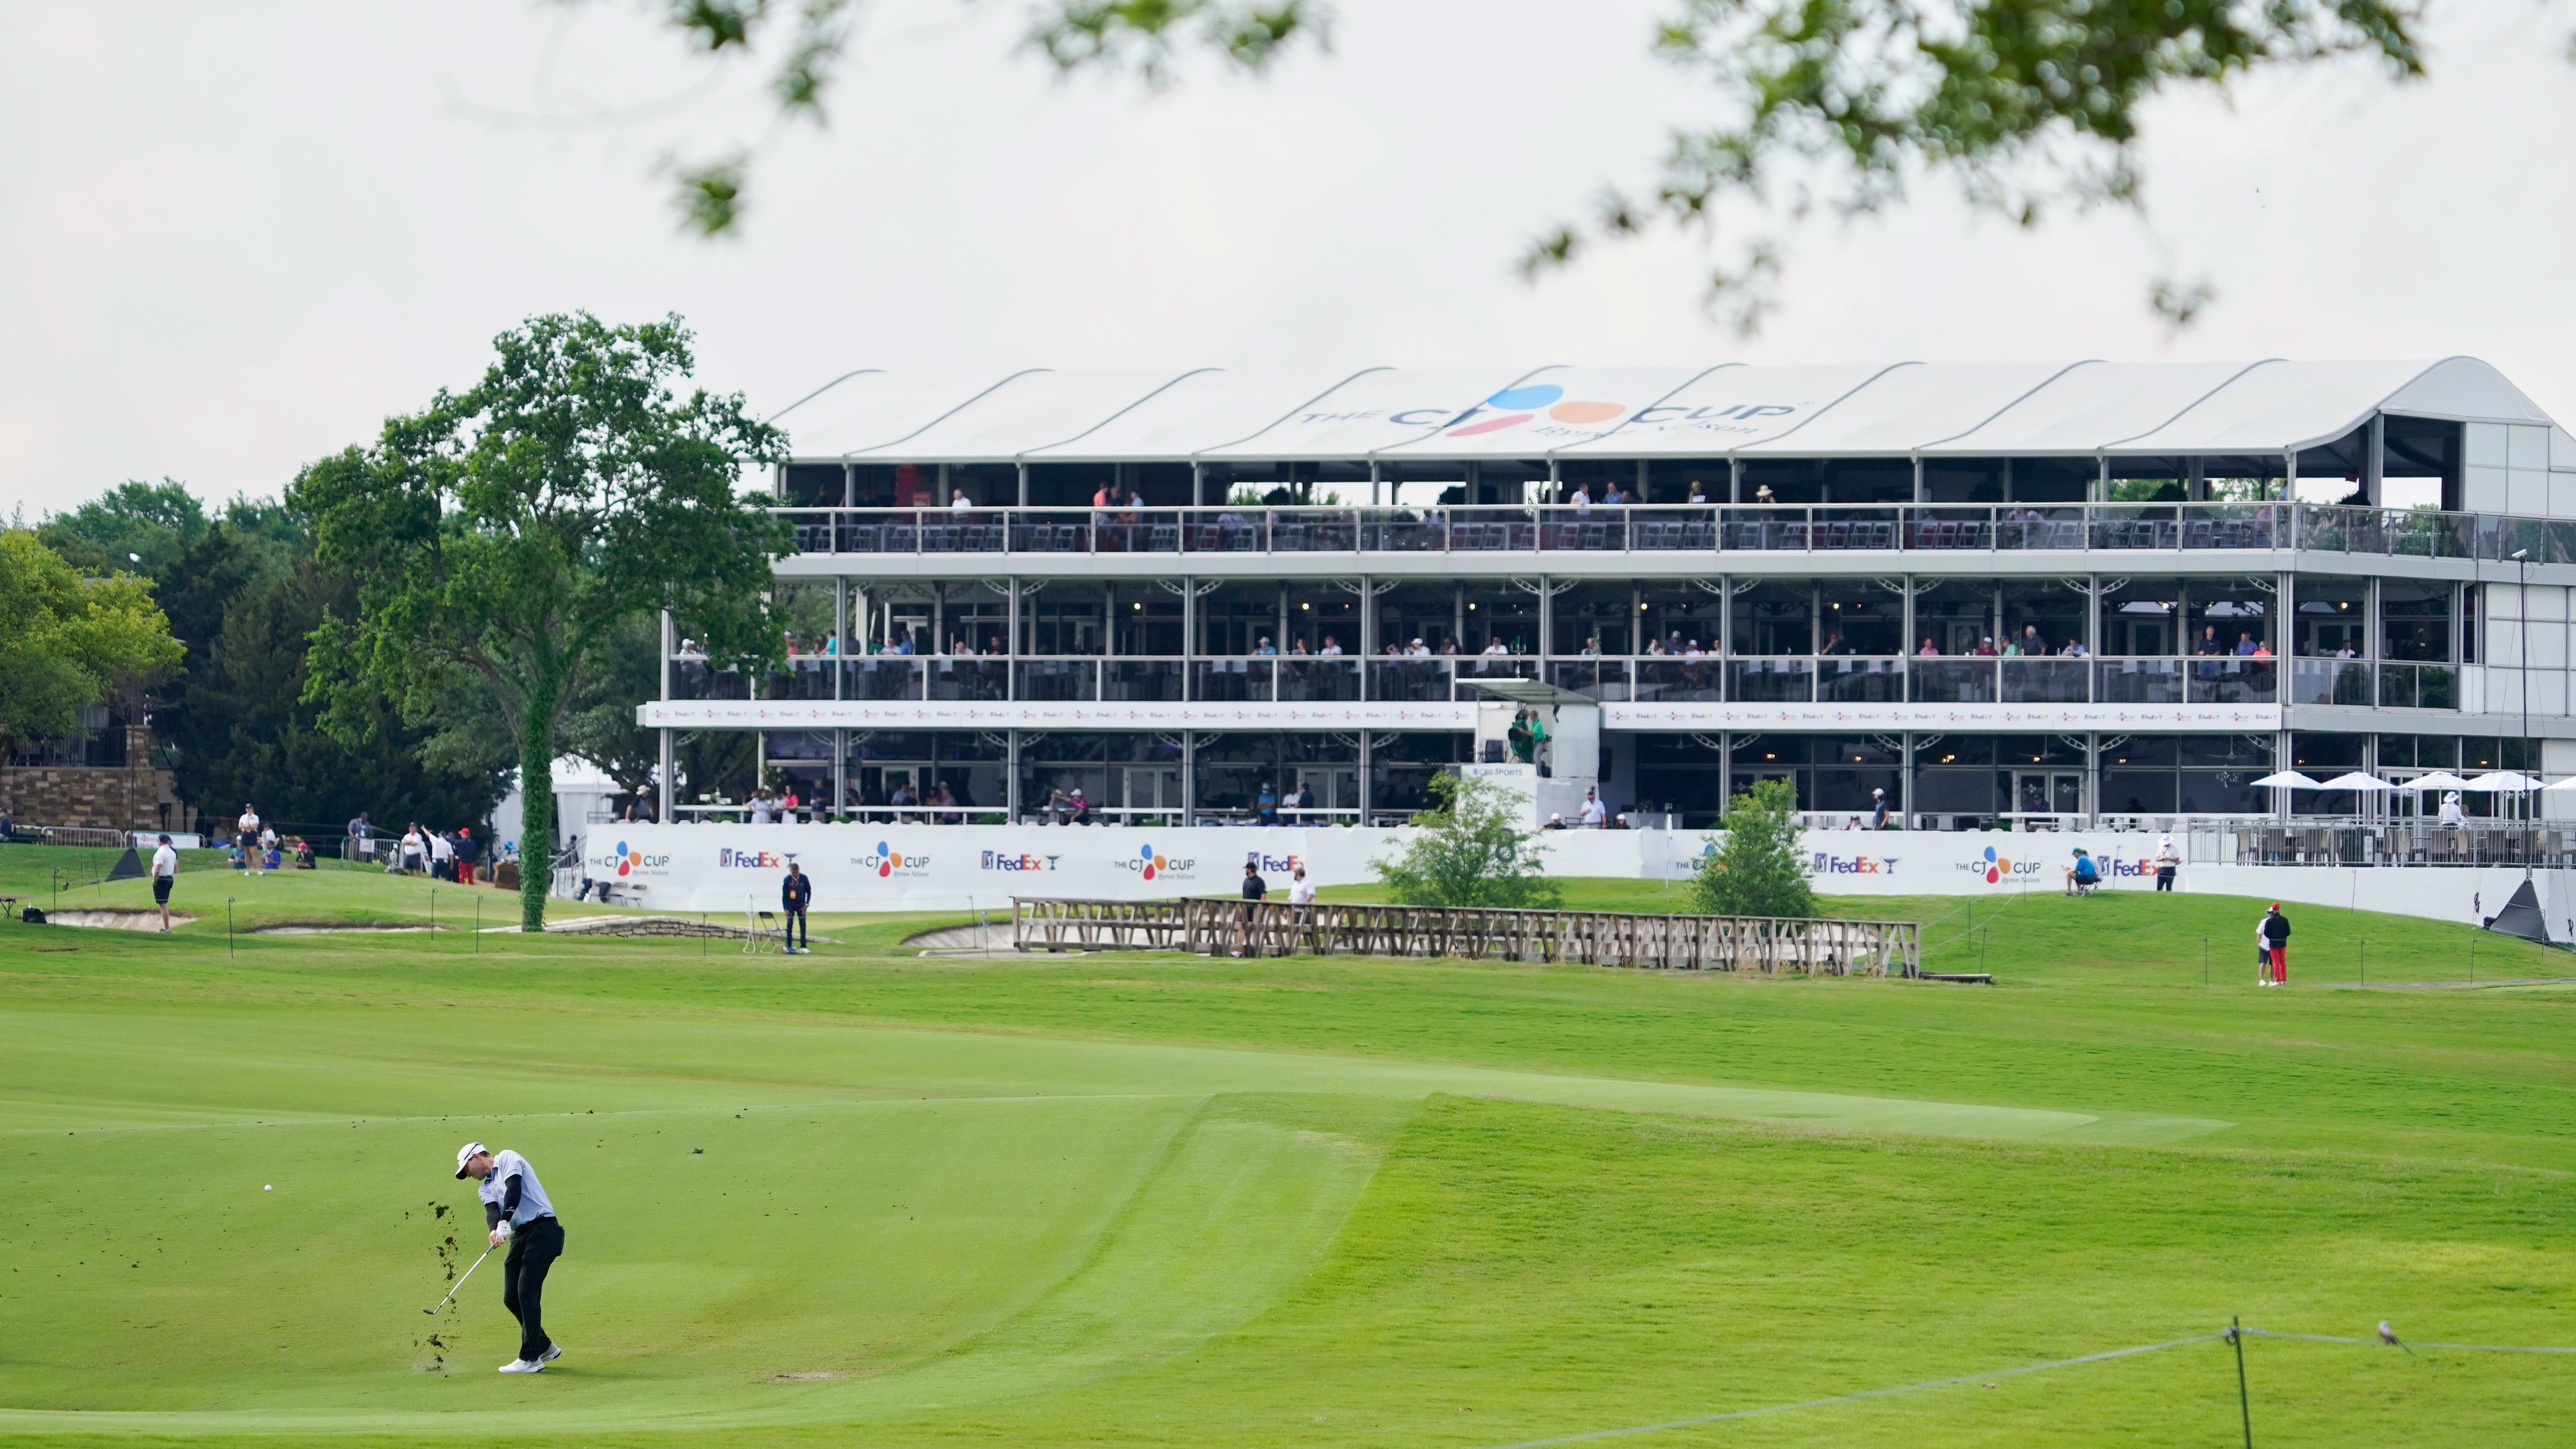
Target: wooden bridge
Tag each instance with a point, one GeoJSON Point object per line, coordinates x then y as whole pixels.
{"type": "Point", "coordinates": [1767, 945]}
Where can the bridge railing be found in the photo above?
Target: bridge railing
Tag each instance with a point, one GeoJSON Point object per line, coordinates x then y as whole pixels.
{"type": "Point", "coordinates": [1215, 927]}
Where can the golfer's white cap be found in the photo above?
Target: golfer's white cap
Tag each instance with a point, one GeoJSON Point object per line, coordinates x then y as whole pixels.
{"type": "Point", "coordinates": [465, 1154]}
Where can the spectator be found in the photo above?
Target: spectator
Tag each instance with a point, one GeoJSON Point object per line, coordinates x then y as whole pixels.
{"type": "Point", "coordinates": [466, 853]}
{"type": "Point", "coordinates": [1332, 648]}
{"type": "Point", "coordinates": [2245, 645]}
{"type": "Point", "coordinates": [2083, 875]}
{"type": "Point", "coordinates": [1879, 810]}
{"type": "Point", "coordinates": [360, 836]}
{"type": "Point", "coordinates": [1078, 809]}
{"type": "Point", "coordinates": [2031, 643]}
{"type": "Point", "coordinates": [247, 828]}
{"type": "Point", "coordinates": [2209, 641]}
{"type": "Point", "coordinates": [408, 858]}
{"type": "Point", "coordinates": [958, 501]}
{"type": "Point", "coordinates": [2274, 932]}
{"type": "Point", "coordinates": [1265, 808]}
{"type": "Point", "coordinates": [1595, 814]}
{"type": "Point", "coordinates": [442, 857]}
{"type": "Point", "coordinates": [1254, 888]}
{"type": "Point", "coordinates": [2168, 860]}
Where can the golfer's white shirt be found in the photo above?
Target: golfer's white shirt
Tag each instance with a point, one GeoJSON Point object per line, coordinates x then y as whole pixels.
{"type": "Point", "coordinates": [496, 1184]}
{"type": "Point", "coordinates": [165, 861]}
{"type": "Point", "coordinates": [248, 825]}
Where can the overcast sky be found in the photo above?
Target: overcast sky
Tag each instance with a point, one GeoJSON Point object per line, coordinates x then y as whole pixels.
{"type": "Point", "coordinates": [239, 235]}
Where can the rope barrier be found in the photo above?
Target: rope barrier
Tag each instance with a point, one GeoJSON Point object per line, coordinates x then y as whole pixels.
{"type": "Point", "coordinates": [2028, 1368]}
{"type": "Point", "coordinates": [1991, 1374]}
{"type": "Point", "coordinates": [2410, 1343]}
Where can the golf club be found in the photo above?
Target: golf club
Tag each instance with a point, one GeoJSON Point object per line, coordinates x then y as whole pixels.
{"type": "Point", "coordinates": [460, 1282]}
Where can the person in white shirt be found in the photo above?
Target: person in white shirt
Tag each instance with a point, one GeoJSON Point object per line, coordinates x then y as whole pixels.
{"type": "Point", "coordinates": [760, 808]}
{"type": "Point", "coordinates": [1301, 891]}
{"type": "Point", "coordinates": [410, 853]}
{"type": "Point", "coordinates": [1595, 815]}
{"type": "Point", "coordinates": [958, 501]}
{"type": "Point", "coordinates": [247, 827]}
{"type": "Point", "coordinates": [165, 874]}
{"type": "Point", "coordinates": [441, 855]}
{"type": "Point", "coordinates": [517, 1211]}
{"type": "Point", "coordinates": [1496, 648]}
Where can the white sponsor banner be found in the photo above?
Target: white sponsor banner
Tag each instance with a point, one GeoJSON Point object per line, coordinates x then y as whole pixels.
{"type": "Point", "coordinates": [731, 868]}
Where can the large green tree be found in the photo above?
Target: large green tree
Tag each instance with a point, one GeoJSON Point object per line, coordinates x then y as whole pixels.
{"type": "Point", "coordinates": [509, 532]}
{"type": "Point", "coordinates": [66, 641]}
{"type": "Point", "coordinates": [238, 727]}
{"type": "Point", "coordinates": [1819, 105]}
{"type": "Point", "coordinates": [134, 527]}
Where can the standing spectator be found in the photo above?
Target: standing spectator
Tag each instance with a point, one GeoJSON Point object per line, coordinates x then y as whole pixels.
{"type": "Point", "coordinates": [442, 857]}
{"type": "Point", "coordinates": [795, 894]}
{"type": "Point", "coordinates": [1595, 814]}
{"type": "Point", "coordinates": [466, 853]}
{"type": "Point", "coordinates": [413, 850]}
{"type": "Point", "coordinates": [247, 827]}
{"type": "Point", "coordinates": [165, 874]}
{"type": "Point", "coordinates": [2275, 932]}
{"type": "Point", "coordinates": [1879, 811]}
{"type": "Point", "coordinates": [2168, 860]}
{"type": "Point", "coordinates": [1254, 888]}
{"type": "Point", "coordinates": [360, 834]}
{"type": "Point", "coordinates": [1265, 807]}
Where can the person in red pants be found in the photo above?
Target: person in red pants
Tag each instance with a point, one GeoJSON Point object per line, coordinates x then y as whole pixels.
{"type": "Point", "coordinates": [2276, 937]}
{"type": "Point", "coordinates": [466, 850]}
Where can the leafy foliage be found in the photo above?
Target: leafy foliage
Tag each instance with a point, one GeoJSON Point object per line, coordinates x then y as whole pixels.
{"type": "Point", "coordinates": [2027, 104]}
{"type": "Point", "coordinates": [1471, 852]}
{"type": "Point", "coordinates": [1756, 870]}
{"type": "Point", "coordinates": [65, 641]}
{"type": "Point", "coordinates": [808, 37]}
{"type": "Point", "coordinates": [240, 729]}
{"type": "Point", "coordinates": [509, 532]}
{"type": "Point", "coordinates": [141, 527]}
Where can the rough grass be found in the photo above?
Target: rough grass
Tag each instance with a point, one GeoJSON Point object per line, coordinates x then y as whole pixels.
{"type": "Point", "coordinates": [1142, 1199]}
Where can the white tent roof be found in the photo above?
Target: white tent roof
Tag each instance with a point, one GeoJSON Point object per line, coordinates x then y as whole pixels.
{"type": "Point", "coordinates": [1899, 409]}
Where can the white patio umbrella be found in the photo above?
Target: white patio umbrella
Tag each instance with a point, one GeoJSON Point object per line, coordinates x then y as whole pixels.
{"type": "Point", "coordinates": [2503, 782]}
{"type": "Point", "coordinates": [2567, 784]}
{"type": "Point", "coordinates": [2438, 780]}
{"type": "Point", "coordinates": [2286, 780]}
{"type": "Point", "coordinates": [2356, 780]}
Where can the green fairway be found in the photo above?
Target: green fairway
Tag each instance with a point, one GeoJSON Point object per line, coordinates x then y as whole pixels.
{"type": "Point", "coordinates": [866, 1197]}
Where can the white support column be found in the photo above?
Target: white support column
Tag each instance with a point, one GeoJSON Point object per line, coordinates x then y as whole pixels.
{"type": "Point", "coordinates": [667, 768]}
{"type": "Point", "coordinates": [840, 631]}
{"type": "Point", "coordinates": [1024, 485]}
{"type": "Point", "coordinates": [840, 772]}
{"type": "Point", "coordinates": [1011, 777]}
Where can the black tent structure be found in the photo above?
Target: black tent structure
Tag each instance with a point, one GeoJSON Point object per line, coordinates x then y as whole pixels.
{"type": "Point", "coordinates": [2521, 916]}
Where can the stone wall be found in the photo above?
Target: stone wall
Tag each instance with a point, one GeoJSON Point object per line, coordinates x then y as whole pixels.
{"type": "Point", "coordinates": [133, 797]}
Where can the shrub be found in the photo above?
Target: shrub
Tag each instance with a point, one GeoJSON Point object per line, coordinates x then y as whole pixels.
{"type": "Point", "coordinates": [1471, 852]}
{"type": "Point", "coordinates": [1756, 870]}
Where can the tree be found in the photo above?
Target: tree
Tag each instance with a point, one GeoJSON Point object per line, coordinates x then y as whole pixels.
{"type": "Point", "coordinates": [2027, 105]}
{"type": "Point", "coordinates": [1756, 870]}
{"type": "Point", "coordinates": [1471, 852]}
{"type": "Point", "coordinates": [65, 641]}
{"type": "Point", "coordinates": [239, 727]}
{"type": "Point", "coordinates": [509, 532]}
{"type": "Point", "coordinates": [142, 527]}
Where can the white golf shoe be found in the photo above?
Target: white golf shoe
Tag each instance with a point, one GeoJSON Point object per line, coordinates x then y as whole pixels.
{"type": "Point", "coordinates": [553, 1351]}
{"type": "Point", "coordinates": [522, 1366]}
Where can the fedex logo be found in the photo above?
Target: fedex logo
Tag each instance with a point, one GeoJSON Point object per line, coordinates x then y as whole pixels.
{"type": "Point", "coordinates": [1825, 864]}
{"type": "Point", "coordinates": [1002, 860]}
{"type": "Point", "coordinates": [729, 858]}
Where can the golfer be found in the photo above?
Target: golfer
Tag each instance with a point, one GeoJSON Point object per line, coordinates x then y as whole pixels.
{"type": "Point", "coordinates": [2168, 860]}
{"type": "Point", "coordinates": [247, 827]}
{"type": "Point", "coordinates": [165, 874]}
{"type": "Point", "coordinates": [794, 894]}
{"type": "Point", "coordinates": [517, 1212]}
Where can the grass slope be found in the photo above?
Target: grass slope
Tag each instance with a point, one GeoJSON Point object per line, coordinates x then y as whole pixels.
{"type": "Point", "coordinates": [1162, 1200]}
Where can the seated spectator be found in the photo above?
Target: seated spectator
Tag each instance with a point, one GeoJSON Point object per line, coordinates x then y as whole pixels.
{"type": "Point", "coordinates": [2084, 874]}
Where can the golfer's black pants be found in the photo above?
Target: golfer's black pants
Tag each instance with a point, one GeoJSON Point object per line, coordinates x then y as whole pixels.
{"type": "Point", "coordinates": [2164, 879]}
{"type": "Point", "coordinates": [798, 933]}
{"type": "Point", "coordinates": [533, 1250]}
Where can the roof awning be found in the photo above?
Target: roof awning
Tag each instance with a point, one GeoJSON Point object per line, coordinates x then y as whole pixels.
{"type": "Point", "coordinates": [1527, 691]}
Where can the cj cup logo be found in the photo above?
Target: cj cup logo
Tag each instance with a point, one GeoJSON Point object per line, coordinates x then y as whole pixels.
{"type": "Point", "coordinates": [1996, 868]}
{"type": "Point", "coordinates": [1151, 866]}
{"type": "Point", "coordinates": [1518, 405]}
{"type": "Point", "coordinates": [626, 862]}
{"type": "Point", "coordinates": [888, 862]}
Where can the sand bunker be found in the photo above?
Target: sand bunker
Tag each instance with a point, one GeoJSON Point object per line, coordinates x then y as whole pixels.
{"type": "Point", "coordinates": [115, 920]}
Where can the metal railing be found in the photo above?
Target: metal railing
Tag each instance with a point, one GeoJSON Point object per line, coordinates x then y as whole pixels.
{"type": "Point", "coordinates": [2119, 528]}
{"type": "Point", "coordinates": [1642, 679]}
{"type": "Point", "coordinates": [2538, 844]}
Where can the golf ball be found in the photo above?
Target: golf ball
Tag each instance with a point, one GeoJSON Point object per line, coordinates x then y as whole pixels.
{"type": "Point", "coordinates": [268, 1187]}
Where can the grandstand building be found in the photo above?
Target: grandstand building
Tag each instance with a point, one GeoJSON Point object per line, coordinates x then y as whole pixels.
{"type": "Point", "coordinates": [2094, 593]}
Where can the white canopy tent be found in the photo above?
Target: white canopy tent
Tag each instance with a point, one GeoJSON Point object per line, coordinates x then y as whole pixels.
{"type": "Point", "coordinates": [1718, 411]}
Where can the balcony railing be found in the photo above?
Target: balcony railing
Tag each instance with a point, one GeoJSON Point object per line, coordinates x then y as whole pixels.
{"type": "Point", "coordinates": [1650, 679]}
{"type": "Point", "coordinates": [2118, 528]}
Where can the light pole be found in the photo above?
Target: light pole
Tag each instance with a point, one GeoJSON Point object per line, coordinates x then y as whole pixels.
{"type": "Point", "coordinates": [2522, 606]}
